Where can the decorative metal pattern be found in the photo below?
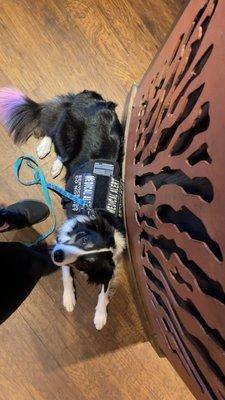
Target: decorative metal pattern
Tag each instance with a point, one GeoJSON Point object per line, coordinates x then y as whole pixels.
{"type": "Point", "coordinates": [175, 196]}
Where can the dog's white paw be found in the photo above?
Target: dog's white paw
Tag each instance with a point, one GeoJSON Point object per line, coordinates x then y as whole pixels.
{"type": "Point", "coordinates": [69, 300]}
{"type": "Point", "coordinates": [44, 147]}
{"type": "Point", "coordinates": [57, 167]}
{"type": "Point", "coordinates": [100, 319]}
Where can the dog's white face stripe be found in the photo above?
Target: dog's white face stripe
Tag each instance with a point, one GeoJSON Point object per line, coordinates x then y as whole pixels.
{"type": "Point", "coordinates": [71, 253]}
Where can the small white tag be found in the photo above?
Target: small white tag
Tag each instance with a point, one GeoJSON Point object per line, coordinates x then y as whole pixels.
{"type": "Point", "coordinates": [103, 169]}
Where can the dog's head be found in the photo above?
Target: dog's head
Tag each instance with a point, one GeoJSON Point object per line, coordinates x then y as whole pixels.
{"type": "Point", "coordinates": [91, 245]}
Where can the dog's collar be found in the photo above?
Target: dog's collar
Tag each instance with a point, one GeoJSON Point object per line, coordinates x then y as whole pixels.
{"type": "Point", "coordinates": [97, 182]}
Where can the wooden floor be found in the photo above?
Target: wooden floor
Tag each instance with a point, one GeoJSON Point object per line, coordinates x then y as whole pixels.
{"type": "Point", "coordinates": [49, 47]}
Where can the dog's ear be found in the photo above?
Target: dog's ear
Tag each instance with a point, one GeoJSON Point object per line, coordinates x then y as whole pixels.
{"type": "Point", "coordinates": [99, 268]}
{"type": "Point", "coordinates": [104, 269]}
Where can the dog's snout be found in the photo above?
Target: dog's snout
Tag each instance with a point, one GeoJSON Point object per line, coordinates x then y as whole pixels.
{"type": "Point", "coordinates": [63, 254]}
{"type": "Point", "coordinates": [58, 255]}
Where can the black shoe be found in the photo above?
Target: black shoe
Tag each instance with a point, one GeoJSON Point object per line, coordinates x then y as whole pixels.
{"type": "Point", "coordinates": [22, 214]}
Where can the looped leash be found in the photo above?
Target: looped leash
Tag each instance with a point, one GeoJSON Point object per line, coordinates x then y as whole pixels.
{"type": "Point", "coordinates": [39, 179]}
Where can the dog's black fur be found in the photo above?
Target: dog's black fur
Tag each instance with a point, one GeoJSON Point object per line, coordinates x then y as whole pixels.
{"type": "Point", "coordinates": [82, 127]}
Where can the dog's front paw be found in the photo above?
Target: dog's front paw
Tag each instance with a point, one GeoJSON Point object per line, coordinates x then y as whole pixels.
{"type": "Point", "coordinates": [56, 168]}
{"type": "Point", "coordinates": [44, 147]}
{"type": "Point", "coordinates": [100, 319]}
{"type": "Point", "coordinates": [69, 300]}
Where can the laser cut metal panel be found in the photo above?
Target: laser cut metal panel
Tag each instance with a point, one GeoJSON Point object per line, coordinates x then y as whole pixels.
{"type": "Point", "coordinates": [175, 196]}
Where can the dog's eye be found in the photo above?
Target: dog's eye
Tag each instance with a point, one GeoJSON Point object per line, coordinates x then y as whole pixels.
{"type": "Point", "coordinates": [84, 241]}
{"type": "Point", "coordinates": [81, 235]}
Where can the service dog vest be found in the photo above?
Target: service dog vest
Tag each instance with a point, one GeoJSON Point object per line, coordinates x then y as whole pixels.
{"type": "Point", "coordinates": [97, 182]}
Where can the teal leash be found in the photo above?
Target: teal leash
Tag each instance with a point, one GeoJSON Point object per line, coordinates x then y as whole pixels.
{"type": "Point", "coordinates": [39, 179]}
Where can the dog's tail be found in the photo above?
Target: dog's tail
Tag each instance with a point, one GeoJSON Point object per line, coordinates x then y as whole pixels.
{"type": "Point", "coordinates": [19, 114]}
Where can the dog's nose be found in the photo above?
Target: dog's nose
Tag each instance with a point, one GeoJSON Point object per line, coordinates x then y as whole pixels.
{"type": "Point", "coordinates": [58, 255]}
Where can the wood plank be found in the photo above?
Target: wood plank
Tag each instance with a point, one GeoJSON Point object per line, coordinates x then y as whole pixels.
{"type": "Point", "coordinates": [26, 366]}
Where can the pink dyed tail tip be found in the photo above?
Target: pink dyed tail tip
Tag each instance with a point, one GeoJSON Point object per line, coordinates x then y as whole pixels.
{"type": "Point", "coordinates": [10, 99]}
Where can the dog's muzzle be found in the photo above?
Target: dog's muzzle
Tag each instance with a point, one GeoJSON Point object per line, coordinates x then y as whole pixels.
{"type": "Point", "coordinates": [63, 254]}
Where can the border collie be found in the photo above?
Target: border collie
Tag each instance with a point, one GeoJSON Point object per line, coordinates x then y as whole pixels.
{"type": "Point", "coordinates": [88, 140]}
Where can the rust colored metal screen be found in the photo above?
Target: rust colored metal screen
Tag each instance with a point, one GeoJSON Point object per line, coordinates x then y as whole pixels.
{"type": "Point", "coordinates": [175, 196]}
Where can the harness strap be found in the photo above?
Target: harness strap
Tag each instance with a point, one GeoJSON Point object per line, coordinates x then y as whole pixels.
{"type": "Point", "coordinates": [39, 179]}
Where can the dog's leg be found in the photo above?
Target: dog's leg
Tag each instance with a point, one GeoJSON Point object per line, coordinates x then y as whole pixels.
{"type": "Point", "coordinates": [101, 308]}
{"type": "Point", "coordinates": [44, 147]}
{"type": "Point", "coordinates": [57, 167]}
{"type": "Point", "coordinates": [69, 299]}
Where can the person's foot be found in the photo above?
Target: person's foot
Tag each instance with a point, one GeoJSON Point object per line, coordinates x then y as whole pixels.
{"type": "Point", "coordinates": [22, 214]}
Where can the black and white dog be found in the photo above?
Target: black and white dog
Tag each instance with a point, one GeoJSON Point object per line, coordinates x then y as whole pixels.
{"type": "Point", "coordinates": [88, 140]}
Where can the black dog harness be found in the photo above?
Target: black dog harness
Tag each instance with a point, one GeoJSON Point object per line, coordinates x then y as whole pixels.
{"type": "Point", "coordinates": [97, 182]}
